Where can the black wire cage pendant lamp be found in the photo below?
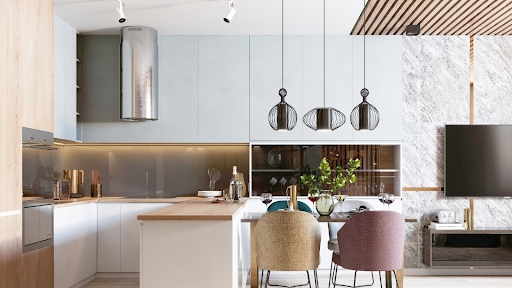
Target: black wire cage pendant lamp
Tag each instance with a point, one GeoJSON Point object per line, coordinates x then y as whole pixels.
{"type": "Point", "coordinates": [324, 118]}
{"type": "Point", "coordinates": [283, 116]}
{"type": "Point", "coordinates": [364, 117]}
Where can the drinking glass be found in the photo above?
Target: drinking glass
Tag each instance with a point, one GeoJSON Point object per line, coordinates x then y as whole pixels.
{"type": "Point", "coordinates": [313, 196]}
{"type": "Point", "coordinates": [360, 189]}
{"type": "Point", "coordinates": [227, 196]}
{"type": "Point", "coordinates": [375, 189]}
{"type": "Point", "coordinates": [382, 187]}
{"type": "Point", "coordinates": [369, 189]}
{"type": "Point", "coordinates": [391, 199]}
{"type": "Point", "coordinates": [266, 198]}
{"type": "Point", "coordinates": [381, 199]}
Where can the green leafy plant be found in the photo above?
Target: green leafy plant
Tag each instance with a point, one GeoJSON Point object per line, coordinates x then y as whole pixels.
{"type": "Point", "coordinates": [343, 176]}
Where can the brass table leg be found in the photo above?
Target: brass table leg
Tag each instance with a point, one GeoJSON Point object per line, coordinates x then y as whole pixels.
{"type": "Point", "coordinates": [389, 279]}
{"type": "Point", "coordinates": [254, 265]}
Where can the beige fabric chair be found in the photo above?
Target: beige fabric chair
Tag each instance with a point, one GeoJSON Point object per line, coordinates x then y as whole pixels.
{"type": "Point", "coordinates": [288, 241]}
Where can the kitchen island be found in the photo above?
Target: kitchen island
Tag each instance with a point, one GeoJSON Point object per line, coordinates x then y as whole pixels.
{"type": "Point", "coordinates": [195, 243]}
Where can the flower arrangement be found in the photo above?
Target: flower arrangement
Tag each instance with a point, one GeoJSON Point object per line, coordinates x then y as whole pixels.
{"type": "Point", "coordinates": [343, 176]}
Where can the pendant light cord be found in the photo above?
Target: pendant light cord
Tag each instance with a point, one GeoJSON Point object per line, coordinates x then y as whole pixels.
{"type": "Point", "coordinates": [324, 53]}
{"type": "Point", "coordinates": [282, 43]}
{"type": "Point", "coordinates": [364, 44]}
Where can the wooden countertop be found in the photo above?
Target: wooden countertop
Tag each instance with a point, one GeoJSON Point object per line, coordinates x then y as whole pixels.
{"type": "Point", "coordinates": [88, 200]}
{"type": "Point", "coordinates": [196, 209]}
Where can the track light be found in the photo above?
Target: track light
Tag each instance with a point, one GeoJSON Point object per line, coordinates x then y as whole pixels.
{"type": "Point", "coordinates": [120, 13]}
{"type": "Point", "coordinates": [231, 12]}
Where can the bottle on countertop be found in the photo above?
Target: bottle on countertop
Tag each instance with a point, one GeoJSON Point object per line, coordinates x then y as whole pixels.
{"type": "Point", "coordinates": [235, 187]}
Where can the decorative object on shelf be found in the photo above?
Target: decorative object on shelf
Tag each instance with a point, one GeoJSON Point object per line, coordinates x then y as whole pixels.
{"type": "Point", "coordinates": [95, 179]}
{"type": "Point", "coordinates": [283, 116]}
{"type": "Point", "coordinates": [273, 181]}
{"type": "Point", "coordinates": [324, 172]}
{"type": "Point", "coordinates": [324, 118]}
{"type": "Point", "coordinates": [468, 219]}
{"type": "Point", "coordinates": [364, 116]}
{"type": "Point", "coordinates": [214, 176]}
{"type": "Point", "coordinates": [275, 158]}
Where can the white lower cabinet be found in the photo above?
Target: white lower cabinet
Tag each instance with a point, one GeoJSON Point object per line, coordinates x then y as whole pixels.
{"type": "Point", "coordinates": [75, 244]}
{"type": "Point", "coordinates": [119, 235]}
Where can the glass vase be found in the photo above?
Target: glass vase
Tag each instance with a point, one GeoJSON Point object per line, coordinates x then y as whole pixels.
{"type": "Point", "coordinates": [324, 203]}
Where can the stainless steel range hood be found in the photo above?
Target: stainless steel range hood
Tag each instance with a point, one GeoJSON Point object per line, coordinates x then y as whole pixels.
{"type": "Point", "coordinates": [139, 74]}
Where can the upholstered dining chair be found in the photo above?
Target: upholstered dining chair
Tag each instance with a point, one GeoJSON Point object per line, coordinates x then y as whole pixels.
{"type": "Point", "coordinates": [288, 241]}
{"type": "Point", "coordinates": [334, 227]}
{"type": "Point", "coordinates": [281, 205]}
{"type": "Point", "coordinates": [371, 241]}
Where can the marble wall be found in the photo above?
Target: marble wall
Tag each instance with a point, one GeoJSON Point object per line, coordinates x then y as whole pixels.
{"type": "Point", "coordinates": [436, 92]}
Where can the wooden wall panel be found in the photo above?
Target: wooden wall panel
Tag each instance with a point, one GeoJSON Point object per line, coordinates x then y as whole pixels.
{"type": "Point", "coordinates": [10, 109]}
{"type": "Point", "coordinates": [35, 56]}
{"type": "Point", "coordinates": [10, 251]}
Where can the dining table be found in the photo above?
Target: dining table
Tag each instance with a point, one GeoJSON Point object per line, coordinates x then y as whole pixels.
{"type": "Point", "coordinates": [253, 218]}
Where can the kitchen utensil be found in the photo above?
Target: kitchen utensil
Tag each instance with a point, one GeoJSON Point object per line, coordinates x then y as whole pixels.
{"type": "Point", "coordinates": [214, 176]}
{"type": "Point", "coordinates": [60, 188]}
{"type": "Point", "coordinates": [74, 176]}
{"type": "Point", "coordinates": [96, 190]}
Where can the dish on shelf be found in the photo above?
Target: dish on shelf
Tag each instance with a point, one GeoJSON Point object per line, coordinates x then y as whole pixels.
{"type": "Point", "coordinates": [275, 158]}
{"type": "Point", "coordinates": [209, 194]}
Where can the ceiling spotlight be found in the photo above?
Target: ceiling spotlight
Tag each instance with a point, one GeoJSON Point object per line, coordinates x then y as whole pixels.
{"type": "Point", "coordinates": [231, 12]}
{"type": "Point", "coordinates": [120, 13]}
{"type": "Point", "coordinates": [412, 30]}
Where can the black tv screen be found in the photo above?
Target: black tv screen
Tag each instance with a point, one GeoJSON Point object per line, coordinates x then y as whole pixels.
{"type": "Point", "coordinates": [478, 160]}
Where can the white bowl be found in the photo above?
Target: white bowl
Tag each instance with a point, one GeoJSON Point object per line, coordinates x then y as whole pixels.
{"type": "Point", "coordinates": [209, 194]}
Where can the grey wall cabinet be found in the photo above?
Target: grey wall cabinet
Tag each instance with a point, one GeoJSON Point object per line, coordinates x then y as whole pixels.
{"type": "Point", "coordinates": [101, 88]}
{"type": "Point", "coordinates": [383, 80]}
{"type": "Point", "coordinates": [64, 80]}
{"type": "Point", "coordinates": [266, 80]}
{"type": "Point", "coordinates": [223, 89]}
{"type": "Point", "coordinates": [179, 78]}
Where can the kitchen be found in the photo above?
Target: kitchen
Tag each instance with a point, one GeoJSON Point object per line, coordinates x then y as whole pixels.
{"type": "Point", "coordinates": [97, 152]}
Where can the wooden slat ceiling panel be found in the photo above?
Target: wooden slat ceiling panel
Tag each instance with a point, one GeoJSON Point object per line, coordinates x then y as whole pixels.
{"type": "Point", "coordinates": [437, 17]}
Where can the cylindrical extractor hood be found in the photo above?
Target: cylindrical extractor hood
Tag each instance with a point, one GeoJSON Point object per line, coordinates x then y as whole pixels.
{"type": "Point", "coordinates": [139, 74]}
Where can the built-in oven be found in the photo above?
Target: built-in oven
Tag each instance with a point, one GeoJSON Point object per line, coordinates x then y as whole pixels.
{"type": "Point", "coordinates": [37, 166]}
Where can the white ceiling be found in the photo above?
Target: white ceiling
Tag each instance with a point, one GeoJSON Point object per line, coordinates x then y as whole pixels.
{"type": "Point", "coordinates": [205, 17]}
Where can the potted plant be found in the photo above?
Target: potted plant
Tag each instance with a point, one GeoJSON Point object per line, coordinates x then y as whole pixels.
{"type": "Point", "coordinates": [318, 185]}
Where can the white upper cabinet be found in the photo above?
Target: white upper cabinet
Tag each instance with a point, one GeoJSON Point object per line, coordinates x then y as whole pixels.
{"type": "Point", "coordinates": [223, 89]}
{"type": "Point", "coordinates": [178, 81]}
{"type": "Point", "coordinates": [383, 80]}
{"type": "Point", "coordinates": [266, 80]}
{"type": "Point", "coordinates": [64, 80]}
{"type": "Point", "coordinates": [338, 82]}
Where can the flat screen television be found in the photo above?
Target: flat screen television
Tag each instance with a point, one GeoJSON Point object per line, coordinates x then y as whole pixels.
{"type": "Point", "coordinates": [478, 160]}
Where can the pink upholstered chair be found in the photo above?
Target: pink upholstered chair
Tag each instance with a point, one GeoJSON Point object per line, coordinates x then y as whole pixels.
{"type": "Point", "coordinates": [371, 241]}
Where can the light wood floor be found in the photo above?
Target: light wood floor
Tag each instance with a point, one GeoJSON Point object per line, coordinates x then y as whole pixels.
{"type": "Point", "coordinates": [409, 281]}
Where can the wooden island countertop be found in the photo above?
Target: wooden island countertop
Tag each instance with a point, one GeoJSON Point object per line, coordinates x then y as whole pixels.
{"type": "Point", "coordinates": [196, 209]}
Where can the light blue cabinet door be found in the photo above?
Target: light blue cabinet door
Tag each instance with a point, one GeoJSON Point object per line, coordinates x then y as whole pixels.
{"type": "Point", "coordinates": [266, 80]}
{"type": "Point", "coordinates": [338, 82]}
{"type": "Point", "coordinates": [179, 88]}
{"type": "Point", "coordinates": [383, 80]}
{"type": "Point", "coordinates": [223, 89]}
{"type": "Point", "coordinates": [64, 80]}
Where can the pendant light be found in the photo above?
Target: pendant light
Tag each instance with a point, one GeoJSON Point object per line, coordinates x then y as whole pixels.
{"type": "Point", "coordinates": [324, 118]}
{"type": "Point", "coordinates": [282, 117]}
{"type": "Point", "coordinates": [364, 117]}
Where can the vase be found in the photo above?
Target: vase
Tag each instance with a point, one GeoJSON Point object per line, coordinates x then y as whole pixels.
{"type": "Point", "coordinates": [324, 203]}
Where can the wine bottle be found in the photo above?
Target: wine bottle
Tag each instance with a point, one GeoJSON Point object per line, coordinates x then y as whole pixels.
{"type": "Point", "coordinates": [234, 187]}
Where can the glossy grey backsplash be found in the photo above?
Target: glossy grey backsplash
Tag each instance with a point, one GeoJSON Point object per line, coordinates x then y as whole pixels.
{"type": "Point", "coordinates": [153, 171]}
{"type": "Point", "coordinates": [436, 92]}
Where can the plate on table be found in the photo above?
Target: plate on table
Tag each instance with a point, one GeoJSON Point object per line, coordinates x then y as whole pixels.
{"type": "Point", "coordinates": [209, 194]}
